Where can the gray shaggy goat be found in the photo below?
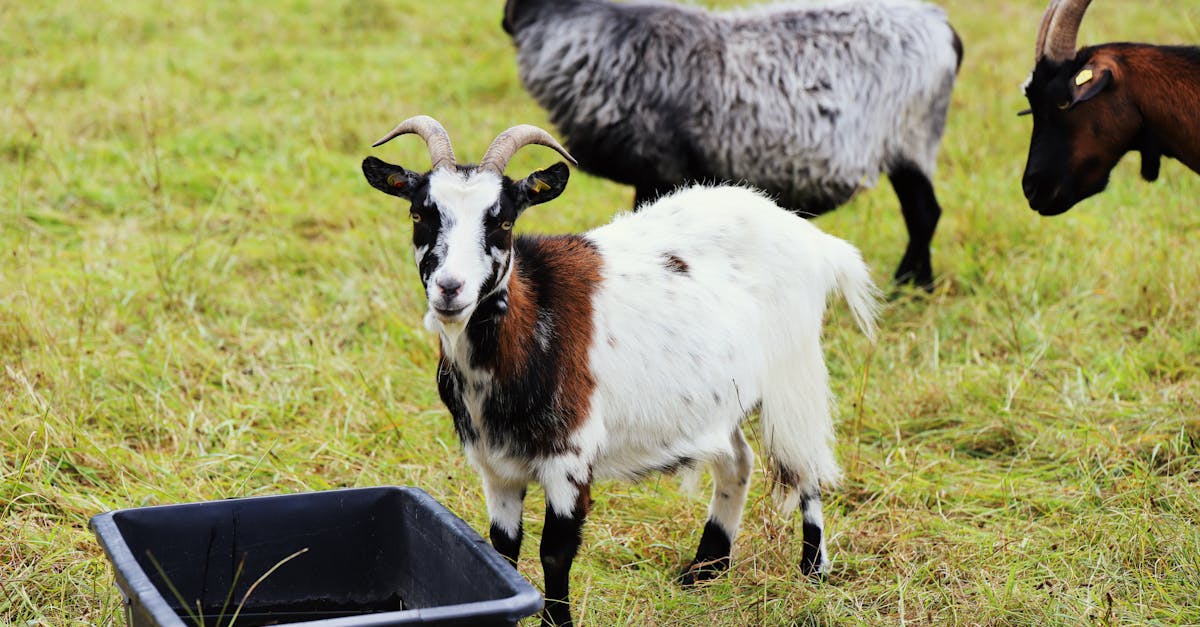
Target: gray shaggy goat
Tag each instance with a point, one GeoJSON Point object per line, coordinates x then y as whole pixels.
{"type": "Point", "coordinates": [808, 101]}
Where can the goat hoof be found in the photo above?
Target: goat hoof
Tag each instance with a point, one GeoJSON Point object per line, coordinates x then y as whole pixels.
{"type": "Point", "coordinates": [700, 572]}
{"type": "Point", "coordinates": [909, 283]}
{"type": "Point", "coordinates": [556, 615]}
{"type": "Point", "coordinates": [814, 573]}
{"type": "Point", "coordinates": [909, 291]}
{"type": "Point", "coordinates": [920, 278]}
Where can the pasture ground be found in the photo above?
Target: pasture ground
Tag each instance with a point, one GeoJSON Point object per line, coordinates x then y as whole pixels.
{"type": "Point", "coordinates": [201, 298]}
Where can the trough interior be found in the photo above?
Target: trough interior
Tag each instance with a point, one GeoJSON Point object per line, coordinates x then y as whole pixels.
{"type": "Point", "coordinates": [367, 551]}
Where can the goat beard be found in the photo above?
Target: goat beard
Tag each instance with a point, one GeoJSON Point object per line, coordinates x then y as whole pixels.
{"type": "Point", "coordinates": [1151, 161]}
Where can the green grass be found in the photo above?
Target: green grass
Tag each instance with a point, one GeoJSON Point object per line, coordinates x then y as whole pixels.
{"type": "Point", "coordinates": [200, 298]}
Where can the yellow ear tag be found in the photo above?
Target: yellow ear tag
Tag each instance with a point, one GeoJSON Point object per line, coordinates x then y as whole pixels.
{"type": "Point", "coordinates": [1083, 77]}
{"type": "Point", "coordinates": [540, 186]}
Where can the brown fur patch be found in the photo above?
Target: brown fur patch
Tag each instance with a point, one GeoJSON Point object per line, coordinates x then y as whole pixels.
{"type": "Point", "coordinates": [1167, 92]}
{"type": "Point", "coordinates": [675, 264]}
{"type": "Point", "coordinates": [583, 499]}
{"type": "Point", "coordinates": [576, 266]}
{"type": "Point", "coordinates": [785, 476]}
{"type": "Point", "coordinates": [515, 330]}
{"type": "Point", "coordinates": [1154, 90]}
{"type": "Point", "coordinates": [570, 267]}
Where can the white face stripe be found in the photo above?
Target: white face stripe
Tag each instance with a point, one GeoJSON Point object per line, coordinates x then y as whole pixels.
{"type": "Point", "coordinates": [478, 189]}
{"type": "Point", "coordinates": [463, 201]}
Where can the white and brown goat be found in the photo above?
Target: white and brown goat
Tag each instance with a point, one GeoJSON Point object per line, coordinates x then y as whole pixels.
{"type": "Point", "coordinates": [634, 348]}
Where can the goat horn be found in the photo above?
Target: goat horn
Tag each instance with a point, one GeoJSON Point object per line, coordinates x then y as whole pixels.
{"type": "Point", "coordinates": [1040, 49]}
{"type": "Point", "coordinates": [509, 142]}
{"type": "Point", "coordinates": [435, 136]}
{"type": "Point", "coordinates": [1064, 29]}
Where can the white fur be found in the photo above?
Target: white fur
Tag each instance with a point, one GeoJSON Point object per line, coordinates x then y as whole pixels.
{"type": "Point", "coordinates": [680, 355]}
{"type": "Point", "coordinates": [731, 482]}
{"type": "Point", "coordinates": [681, 358]}
{"type": "Point", "coordinates": [504, 499]}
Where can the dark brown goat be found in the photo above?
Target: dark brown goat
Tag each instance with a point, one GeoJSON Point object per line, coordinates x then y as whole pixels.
{"type": "Point", "coordinates": [1092, 106]}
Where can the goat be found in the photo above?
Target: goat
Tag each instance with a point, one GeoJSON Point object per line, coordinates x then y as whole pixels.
{"type": "Point", "coordinates": [1092, 106]}
{"type": "Point", "coordinates": [808, 102]}
{"type": "Point", "coordinates": [634, 348]}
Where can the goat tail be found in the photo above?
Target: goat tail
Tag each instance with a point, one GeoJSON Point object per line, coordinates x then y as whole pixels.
{"type": "Point", "coordinates": [797, 402]}
{"type": "Point", "coordinates": [853, 279]}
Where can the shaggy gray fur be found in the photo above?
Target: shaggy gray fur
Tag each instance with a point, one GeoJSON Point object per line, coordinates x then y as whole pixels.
{"type": "Point", "coordinates": [809, 101]}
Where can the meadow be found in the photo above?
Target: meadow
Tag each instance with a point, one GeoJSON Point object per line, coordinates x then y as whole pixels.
{"type": "Point", "coordinates": [201, 298]}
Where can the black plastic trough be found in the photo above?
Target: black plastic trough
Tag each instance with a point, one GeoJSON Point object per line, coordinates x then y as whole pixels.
{"type": "Point", "coordinates": [375, 557]}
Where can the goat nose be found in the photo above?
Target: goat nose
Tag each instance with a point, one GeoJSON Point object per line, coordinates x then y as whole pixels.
{"type": "Point", "coordinates": [1034, 185]}
{"type": "Point", "coordinates": [1029, 186]}
{"type": "Point", "coordinates": [450, 286]}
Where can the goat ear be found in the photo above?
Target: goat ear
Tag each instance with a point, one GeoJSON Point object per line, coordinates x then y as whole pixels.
{"type": "Point", "coordinates": [1088, 82]}
{"type": "Point", "coordinates": [390, 179]}
{"type": "Point", "coordinates": [544, 185]}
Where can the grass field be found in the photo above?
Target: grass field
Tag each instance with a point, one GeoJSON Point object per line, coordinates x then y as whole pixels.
{"type": "Point", "coordinates": [201, 298]}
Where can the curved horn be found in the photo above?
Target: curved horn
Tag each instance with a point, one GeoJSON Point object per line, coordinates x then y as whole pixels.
{"type": "Point", "coordinates": [1064, 29]}
{"type": "Point", "coordinates": [1039, 50]}
{"type": "Point", "coordinates": [435, 136]}
{"type": "Point", "coordinates": [509, 142]}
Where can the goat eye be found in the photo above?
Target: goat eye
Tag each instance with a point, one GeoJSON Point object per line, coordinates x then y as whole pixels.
{"type": "Point", "coordinates": [506, 225]}
{"type": "Point", "coordinates": [416, 217]}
